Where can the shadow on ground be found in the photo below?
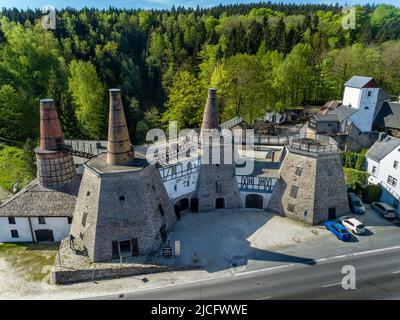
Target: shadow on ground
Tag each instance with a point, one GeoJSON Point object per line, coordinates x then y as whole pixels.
{"type": "Point", "coordinates": [225, 239]}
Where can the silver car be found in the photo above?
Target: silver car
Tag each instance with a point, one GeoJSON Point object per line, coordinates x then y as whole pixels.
{"type": "Point", "coordinates": [384, 209]}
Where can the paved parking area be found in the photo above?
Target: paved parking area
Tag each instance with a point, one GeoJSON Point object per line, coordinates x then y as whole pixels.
{"type": "Point", "coordinates": [228, 238]}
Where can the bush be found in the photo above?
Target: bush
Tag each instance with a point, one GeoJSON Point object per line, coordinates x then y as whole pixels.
{"type": "Point", "coordinates": [353, 160]}
{"type": "Point", "coordinates": [355, 177]}
{"type": "Point", "coordinates": [371, 193]}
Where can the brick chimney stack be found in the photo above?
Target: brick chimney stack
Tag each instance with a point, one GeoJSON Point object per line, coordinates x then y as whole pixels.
{"type": "Point", "coordinates": [54, 167]}
{"type": "Point", "coordinates": [119, 149]}
{"type": "Point", "coordinates": [210, 116]}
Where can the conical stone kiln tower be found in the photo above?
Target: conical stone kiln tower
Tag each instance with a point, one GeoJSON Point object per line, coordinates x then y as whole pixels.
{"type": "Point", "coordinates": [123, 208]}
{"type": "Point", "coordinates": [54, 166]}
{"type": "Point", "coordinates": [311, 187]}
{"type": "Point", "coordinates": [216, 186]}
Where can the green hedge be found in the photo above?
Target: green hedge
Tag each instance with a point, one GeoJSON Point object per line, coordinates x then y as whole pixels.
{"type": "Point", "coordinates": [371, 193]}
{"type": "Point", "coordinates": [355, 177]}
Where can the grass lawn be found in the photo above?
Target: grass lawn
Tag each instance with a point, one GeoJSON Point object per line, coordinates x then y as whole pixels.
{"type": "Point", "coordinates": [28, 259]}
{"type": "Point", "coordinates": [15, 167]}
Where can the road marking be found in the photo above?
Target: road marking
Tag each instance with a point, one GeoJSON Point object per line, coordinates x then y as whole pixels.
{"type": "Point", "coordinates": [321, 260]}
{"type": "Point", "coordinates": [339, 257]}
{"type": "Point", "coordinates": [396, 272]}
{"type": "Point", "coordinates": [376, 250]}
{"type": "Point", "coordinates": [331, 285]}
{"type": "Point", "coordinates": [261, 270]}
{"type": "Point", "coordinates": [265, 298]}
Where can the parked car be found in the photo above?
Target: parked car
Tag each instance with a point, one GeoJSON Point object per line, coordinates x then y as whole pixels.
{"type": "Point", "coordinates": [338, 230]}
{"type": "Point", "coordinates": [354, 225]}
{"type": "Point", "coordinates": [355, 203]}
{"type": "Point", "coordinates": [384, 209]}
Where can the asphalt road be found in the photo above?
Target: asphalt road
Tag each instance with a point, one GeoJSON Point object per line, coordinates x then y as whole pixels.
{"type": "Point", "coordinates": [377, 277]}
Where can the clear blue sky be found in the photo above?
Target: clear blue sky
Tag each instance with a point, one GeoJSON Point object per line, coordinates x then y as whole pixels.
{"type": "Point", "coordinates": [161, 4]}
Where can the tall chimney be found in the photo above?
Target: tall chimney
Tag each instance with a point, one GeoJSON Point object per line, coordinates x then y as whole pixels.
{"type": "Point", "coordinates": [119, 150]}
{"type": "Point", "coordinates": [210, 116]}
{"type": "Point", "coordinates": [54, 167]}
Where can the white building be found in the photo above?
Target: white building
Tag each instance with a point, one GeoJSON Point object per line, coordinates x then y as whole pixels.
{"type": "Point", "coordinates": [37, 213]}
{"type": "Point", "coordinates": [362, 100]}
{"type": "Point", "coordinates": [383, 164]}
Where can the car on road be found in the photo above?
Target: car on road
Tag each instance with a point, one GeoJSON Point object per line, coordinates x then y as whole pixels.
{"type": "Point", "coordinates": [354, 225]}
{"type": "Point", "coordinates": [384, 209]}
{"type": "Point", "coordinates": [338, 230]}
{"type": "Point", "coordinates": [355, 203]}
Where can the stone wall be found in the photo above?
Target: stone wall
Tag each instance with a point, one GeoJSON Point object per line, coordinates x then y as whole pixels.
{"type": "Point", "coordinates": [223, 175]}
{"type": "Point", "coordinates": [309, 185]}
{"type": "Point", "coordinates": [119, 207]}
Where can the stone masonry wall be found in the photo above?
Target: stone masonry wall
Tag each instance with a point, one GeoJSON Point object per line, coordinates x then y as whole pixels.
{"type": "Point", "coordinates": [320, 185]}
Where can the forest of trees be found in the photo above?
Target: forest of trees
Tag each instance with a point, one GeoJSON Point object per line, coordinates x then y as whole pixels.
{"type": "Point", "coordinates": [260, 57]}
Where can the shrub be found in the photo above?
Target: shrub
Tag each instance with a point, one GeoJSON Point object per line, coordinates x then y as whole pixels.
{"type": "Point", "coordinates": [371, 193]}
{"type": "Point", "coordinates": [355, 177]}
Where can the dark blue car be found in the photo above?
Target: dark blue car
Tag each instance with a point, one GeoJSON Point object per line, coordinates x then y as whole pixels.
{"type": "Point", "coordinates": [338, 230]}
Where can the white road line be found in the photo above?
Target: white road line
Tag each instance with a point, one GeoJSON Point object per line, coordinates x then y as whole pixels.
{"type": "Point", "coordinates": [396, 272]}
{"type": "Point", "coordinates": [265, 298]}
{"type": "Point", "coordinates": [376, 250]}
{"type": "Point", "coordinates": [261, 270]}
{"type": "Point", "coordinates": [331, 285]}
{"type": "Point", "coordinates": [320, 260]}
{"type": "Point", "coordinates": [339, 257]}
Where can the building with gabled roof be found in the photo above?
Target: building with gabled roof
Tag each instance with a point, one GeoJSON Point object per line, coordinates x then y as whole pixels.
{"type": "Point", "coordinates": [383, 165]}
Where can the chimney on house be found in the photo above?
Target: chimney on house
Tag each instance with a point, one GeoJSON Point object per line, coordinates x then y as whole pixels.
{"type": "Point", "coordinates": [119, 150]}
{"type": "Point", "coordinates": [210, 116]}
{"type": "Point", "coordinates": [54, 166]}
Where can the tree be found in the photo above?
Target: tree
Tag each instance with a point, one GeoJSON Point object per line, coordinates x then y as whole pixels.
{"type": "Point", "coordinates": [185, 101]}
{"type": "Point", "coordinates": [88, 96]}
{"type": "Point", "coordinates": [12, 125]}
{"type": "Point", "coordinates": [242, 87]}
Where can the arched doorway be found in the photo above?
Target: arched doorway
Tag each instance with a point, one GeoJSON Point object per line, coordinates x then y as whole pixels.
{"type": "Point", "coordinates": [183, 204]}
{"type": "Point", "coordinates": [220, 203]}
{"type": "Point", "coordinates": [254, 201]}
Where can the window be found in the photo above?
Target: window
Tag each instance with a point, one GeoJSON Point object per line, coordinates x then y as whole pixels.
{"type": "Point", "coordinates": [84, 218]}
{"type": "Point", "coordinates": [81, 235]}
{"type": "Point", "coordinates": [331, 192]}
{"type": "Point", "coordinates": [290, 207]}
{"type": "Point", "coordinates": [69, 219]}
{"type": "Point", "coordinates": [298, 171]}
{"type": "Point", "coordinates": [14, 234]}
{"type": "Point", "coordinates": [396, 203]}
{"type": "Point", "coordinates": [218, 186]}
{"type": "Point", "coordinates": [395, 164]}
{"type": "Point", "coordinates": [293, 191]}
{"type": "Point", "coordinates": [42, 220]}
{"type": "Point", "coordinates": [173, 168]}
{"type": "Point", "coordinates": [329, 171]}
{"type": "Point", "coordinates": [160, 208]}
{"type": "Point", "coordinates": [189, 166]}
{"type": "Point", "coordinates": [11, 220]}
{"type": "Point", "coordinates": [392, 181]}
{"type": "Point", "coordinates": [373, 170]}
{"type": "Point", "coordinates": [175, 187]}
{"type": "Point", "coordinates": [366, 108]}
{"type": "Point", "coordinates": [122, 198]}
{"type": "Point", "coordinates": [87, 193]}
{"type": "Point", "coordinates": [369, 93]}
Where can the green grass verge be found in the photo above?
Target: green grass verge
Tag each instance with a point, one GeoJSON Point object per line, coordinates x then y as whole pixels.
{"type": "Point", "coordinates": [15, 167]}
{"type": "Point", "coordinates": [29, 259]}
